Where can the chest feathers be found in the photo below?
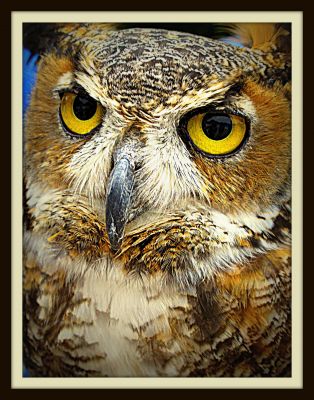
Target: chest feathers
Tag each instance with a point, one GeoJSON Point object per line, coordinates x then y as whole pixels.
{"type": "Point", "coordinates": [104, 322]}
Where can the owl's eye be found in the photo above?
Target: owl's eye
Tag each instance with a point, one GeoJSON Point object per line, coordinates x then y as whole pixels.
{"type": "Point", "coordinates": [80, 113]}
{"type": "Point", "coordinates": [217, 133]}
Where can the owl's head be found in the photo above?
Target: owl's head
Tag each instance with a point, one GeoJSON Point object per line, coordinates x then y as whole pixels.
{"type": "Point", "coordinates": [166, 152]}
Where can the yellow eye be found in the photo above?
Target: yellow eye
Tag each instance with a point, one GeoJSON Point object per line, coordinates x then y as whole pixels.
{"type": "Point", "coordinates": [216, 134]}
{"type": "Point", "coordinates": [80, 113]}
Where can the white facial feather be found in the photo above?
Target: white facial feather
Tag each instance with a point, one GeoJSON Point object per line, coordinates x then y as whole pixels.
{"type": "Point", "coordinates": [168, 174]}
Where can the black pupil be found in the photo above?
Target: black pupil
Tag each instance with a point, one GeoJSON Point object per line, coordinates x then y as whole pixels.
{"type": "Point", "coordinates": [216, 126]}
{"type": "Point", "coordinates": [84, 107]}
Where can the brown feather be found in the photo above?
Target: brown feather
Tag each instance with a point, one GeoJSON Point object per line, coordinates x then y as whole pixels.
{"type": "Point", "coordinates": [265, 36]}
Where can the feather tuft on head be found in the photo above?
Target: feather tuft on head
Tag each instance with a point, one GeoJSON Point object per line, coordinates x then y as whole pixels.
{"type": "Point", "coordinates": [263, 36]}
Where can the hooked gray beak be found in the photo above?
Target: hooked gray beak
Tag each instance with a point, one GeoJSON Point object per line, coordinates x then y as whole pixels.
{"type": "Point", "coordinates": [119, 193]}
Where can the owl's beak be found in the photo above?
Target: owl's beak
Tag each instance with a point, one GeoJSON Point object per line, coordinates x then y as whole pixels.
{"type": "Point", "coordinates": [119, 194]}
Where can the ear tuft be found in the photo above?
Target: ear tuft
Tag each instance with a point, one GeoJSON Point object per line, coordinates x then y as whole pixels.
{"type": "Point", "coordinates": [264, 36]}
{"type": "Point", "coordinates": [39, 38]}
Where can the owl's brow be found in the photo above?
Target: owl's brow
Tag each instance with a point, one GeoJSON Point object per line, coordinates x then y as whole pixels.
{"type": "Point", "coordinates": [79, 89]}
{"type": "Point", "coordinates": [75, 88]}
{"type": "Point", "coordinates": [235, 88]}
{"type": "Point", "coordinates": [232, 90]}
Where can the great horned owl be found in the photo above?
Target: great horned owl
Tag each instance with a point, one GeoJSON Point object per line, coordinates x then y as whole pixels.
{"type": "Point", "coordinates": [157, 192]}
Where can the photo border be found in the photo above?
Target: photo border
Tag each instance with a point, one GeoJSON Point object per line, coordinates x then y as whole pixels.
{"type": "Point", "coordinates": [296, 198]}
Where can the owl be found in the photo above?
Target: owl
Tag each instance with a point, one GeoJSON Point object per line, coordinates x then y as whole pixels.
{"type": "Point", "coordinates": [157, 196]}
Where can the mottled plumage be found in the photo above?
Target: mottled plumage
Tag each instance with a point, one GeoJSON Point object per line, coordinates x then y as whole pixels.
{"type": "Point", "coordinates": [197, 283]}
